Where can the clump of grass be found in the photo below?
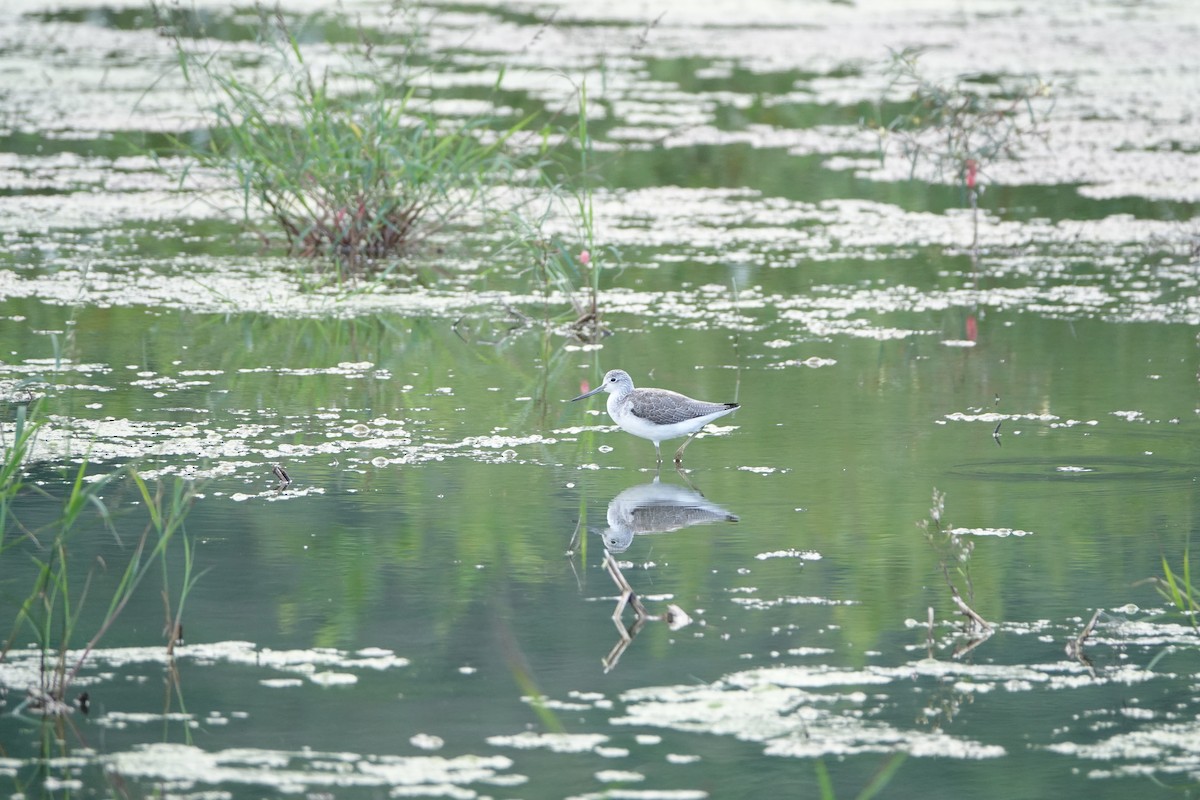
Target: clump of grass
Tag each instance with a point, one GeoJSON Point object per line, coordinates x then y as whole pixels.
{"type": "Point", "coordinates": [343, 157]}
{"type": "Point", "coordinates": [354, 170]}
{"type": "Point", "coordinates": [52, 611]}
{"type": "Point", "coordinates": [959, 127]}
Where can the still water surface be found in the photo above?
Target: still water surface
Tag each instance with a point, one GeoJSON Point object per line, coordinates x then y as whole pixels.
{"type": "Point", "coordinates": [425, 610]}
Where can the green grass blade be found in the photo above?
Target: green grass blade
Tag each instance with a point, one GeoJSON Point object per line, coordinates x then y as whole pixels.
{"type": "Point", "coordinates": [824, 782]}
{"type": "Point", "coordinates": [882, 777]}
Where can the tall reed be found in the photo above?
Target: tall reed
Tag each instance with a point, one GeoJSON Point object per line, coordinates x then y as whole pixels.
{"type": "Point", "coordinates": [567, 260]}
{"type": "Point", "coordinates": [52, 613]}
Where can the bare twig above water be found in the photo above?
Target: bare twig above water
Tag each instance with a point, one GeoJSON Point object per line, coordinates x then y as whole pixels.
{"type": "Point", "coordinates": [967, 611]}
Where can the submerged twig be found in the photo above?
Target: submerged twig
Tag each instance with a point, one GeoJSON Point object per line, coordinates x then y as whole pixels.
{"type": "Point", "coordinates": [929, 634]}
{"type": "Point", "coordinates": [965, 647]}
{"type": "Point", "coordinates": [675, 617]}
{"type": "Point", "coordinates": [1074, 647]}
{"type": "Point", "coordinates": [285, 480]}
{"type": "Point", "coordinates": [628, 596]}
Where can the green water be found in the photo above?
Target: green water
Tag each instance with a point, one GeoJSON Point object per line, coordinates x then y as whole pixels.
{"type": "Point", "coordinates": [425, 609]}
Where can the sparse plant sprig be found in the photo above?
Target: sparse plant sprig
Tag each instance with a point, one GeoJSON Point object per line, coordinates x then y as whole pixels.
{"type": "Point", "coordinates": [571, 263]}
{"type": "Point", "coordinates": [950, 124]}
{"type": "Point", "coordinates": [960, 127]}
{"type": "Point", "coordinates": [877, 783]}
{"type": "Point", "coordinates": [954, 556]}
{"type": "Point", "coordinates": [15, 447]}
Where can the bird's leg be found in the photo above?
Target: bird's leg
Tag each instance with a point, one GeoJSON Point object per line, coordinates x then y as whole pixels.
{"type": "Point", "coordinates": [658, 453]}
{"type": "Point", "coordinates": [679, 452]}
{"type": "Point", "coordinates": [683, 474]}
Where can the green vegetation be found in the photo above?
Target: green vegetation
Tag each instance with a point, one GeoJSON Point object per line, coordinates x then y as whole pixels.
{"type": "Point", "coordinates": [344, 156]}
{"type": "Point", "coordinates": [52, 612]}
{"type": "Point", "coordinates": [877, 784]}
{"type": "Point", "coordinates": [341, 149]}
{"type": "Point", "coordinates": [1177, 588]}
{"type": "Point", "coordinates": [570, 263]}
{"type": "Point", "coordinates": [954, 557]}
{"type": "Point", "coordinates": [959, 127]}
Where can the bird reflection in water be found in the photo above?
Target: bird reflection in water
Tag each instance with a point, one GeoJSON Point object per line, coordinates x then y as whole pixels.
{"type": "Point", "coordinates": [657, 507]}
{"type": "Point", "coordinates": [654, 507]}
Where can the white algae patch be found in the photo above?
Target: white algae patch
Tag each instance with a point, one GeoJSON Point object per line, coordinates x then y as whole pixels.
{"type": "Point", "coordinates": [808, 712]}
{"type": "Point", "coordinates": [184, 767]}
{"type": "Point", "coordinates": [1167, 749]}
{"type": "Point", "coordinates": [333, 678]}
{"type": "Point", "coordinates": [642, 794]}
{"type": "Point", "coordinates": [999, 532]}
{"type": "Point", "coordinates": [245, 443]}
{"type": "Point", "coordinates": [325, 666]}
{"type": "Point", "coordinates": [993, 417]}
{"type": "Point", "coordinates": [707, 226]}
{"type": "Point", "coordinates": [427, 741]}
{"type": "Point", "coordinates": [790, 721]}
{"type": "Point", "coordinates": [554, 742]}
{"type": "Point", "coordinates": [804, 555]}
{"type": "Point", "coordinates": [619, 776]}
{"type": "Point", "coordinates": [759, 604]}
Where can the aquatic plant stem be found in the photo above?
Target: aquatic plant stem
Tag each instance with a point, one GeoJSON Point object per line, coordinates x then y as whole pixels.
{"type": "Point", "coordinates": [571, 262]}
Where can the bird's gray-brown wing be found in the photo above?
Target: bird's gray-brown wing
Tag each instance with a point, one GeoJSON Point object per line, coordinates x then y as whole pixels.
{"type": "Point", "coordinates": [664, 407]}
{"type": "Point", "coordinates": [671, 517]}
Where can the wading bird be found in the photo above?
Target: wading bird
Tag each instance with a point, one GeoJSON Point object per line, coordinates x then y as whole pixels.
{"type": "Point", "coordinates": [656, 414]}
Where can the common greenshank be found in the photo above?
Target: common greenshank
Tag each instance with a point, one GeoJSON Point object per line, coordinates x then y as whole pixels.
{"type": "Point", "coordinates": [656, 414]}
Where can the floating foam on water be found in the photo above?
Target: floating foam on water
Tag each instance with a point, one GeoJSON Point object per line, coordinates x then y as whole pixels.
{"type": "Point", "coordinates": [296, 772]}
{"type": "Point", "coordinates": [554, 742]}
{"type": "Point", "coordinates": [999, 532]}
{"type": "Point", "coordinates": [806, 555]}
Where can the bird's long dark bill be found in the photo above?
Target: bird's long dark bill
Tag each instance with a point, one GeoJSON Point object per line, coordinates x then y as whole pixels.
{"type": "Point", "coordinates": [599, 388]}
